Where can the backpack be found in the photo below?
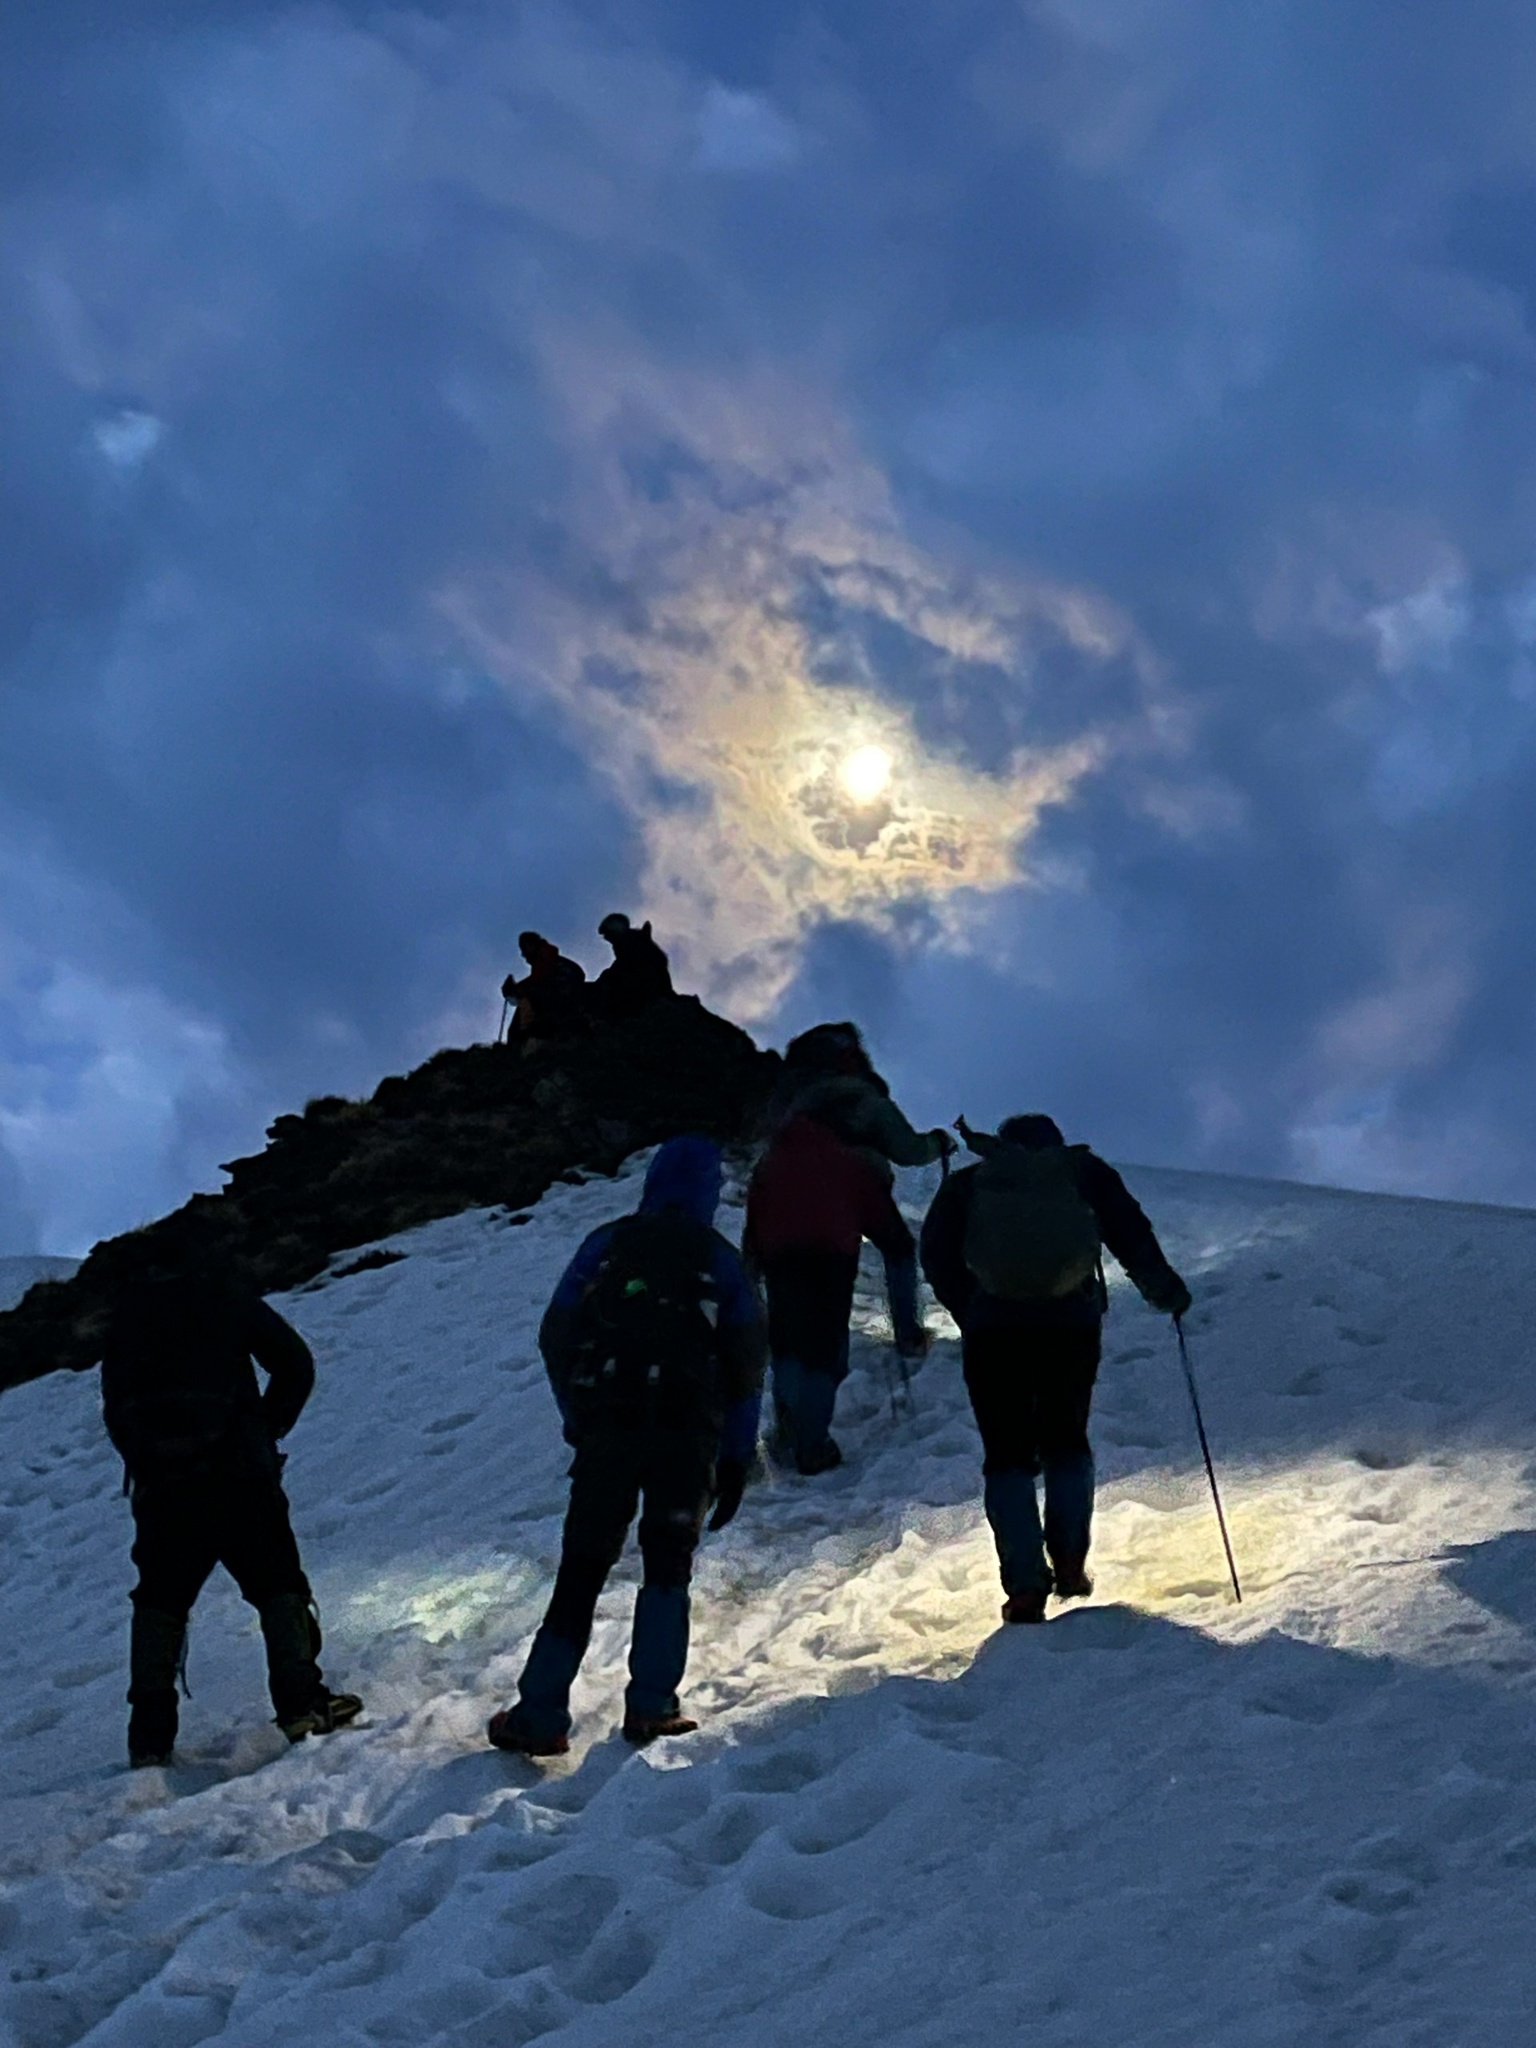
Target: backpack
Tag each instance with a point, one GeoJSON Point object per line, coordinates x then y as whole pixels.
{"type": "Point", "coordinates": [1031, 1235]}
{"type": "Point", "coordinates": [178, 1388]}
{"type": "Point", "coordinates": [643, 1348]}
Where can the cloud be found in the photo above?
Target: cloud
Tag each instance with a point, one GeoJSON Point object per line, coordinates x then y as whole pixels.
{"type": "Point", "coordinates": [742, 131]}
{"type": "Point", "coordinates": [128, 438]}
{"type": "Point", "coordinates": [758, 578]}
{"type": "Point", "coordinates": [466, 466]}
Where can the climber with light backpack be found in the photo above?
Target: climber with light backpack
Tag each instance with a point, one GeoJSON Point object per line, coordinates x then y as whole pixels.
{"type": "Point", "coordinates": [1013, 1249]}
{"type": "Point", "coordinates": [655, 1348]}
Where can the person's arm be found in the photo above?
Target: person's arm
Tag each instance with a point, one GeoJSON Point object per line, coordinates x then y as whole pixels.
{"type": "Point", "coordinates": [741, 1336]}
{"type": "Point", "coordinates": [1130, 1237]}
{"type": "Point", "coordinates": [288, 1363]}
{"type": "Point", "coordinates": [889, 1132]}
{"type": "Point", "coordinates": [941, 1248]}
{"type": "Point", "coordinates": [751, 1247]}
{"type": "Point", "coordinates": [559, 1320]}
{"type": "Point", "coordinates": [117, 1406]}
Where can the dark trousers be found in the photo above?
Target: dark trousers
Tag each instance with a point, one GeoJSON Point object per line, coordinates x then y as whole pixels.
{"type": "Point", "coordinates": [1031, 1388]}
{"type": "Point", "coordinates": [810, 1298]}
{"type": "Point", "coordinates": [669, 1476]}
{"type": "Point", "coordinates": [235, 1514]}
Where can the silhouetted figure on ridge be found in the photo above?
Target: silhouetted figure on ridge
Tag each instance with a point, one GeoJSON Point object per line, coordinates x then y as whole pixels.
{"type": "Point", "coordinates": [639, 973]}
{"type": "Point", "coordinates": [550, 1000]}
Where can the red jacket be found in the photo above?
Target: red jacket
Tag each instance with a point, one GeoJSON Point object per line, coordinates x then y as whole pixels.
{"type": "Point", "coordinates": [811, 1192]}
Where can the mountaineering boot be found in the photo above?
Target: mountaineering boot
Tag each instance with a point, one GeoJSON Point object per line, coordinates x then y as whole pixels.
{"type": "Point", "coordinates": [326, 1712]}
{"type": "Point", "coordinates": [641, 1729]}
{"type": "Point", "coordinates": [512, 1730]}
{"type": "Point", "coordinates": [1072, 1582]}
{"type": "Point", "coordinates": [301, 1701]}
{"type": "Point", "coordinates": [540, 1723]}
{"type": "Point", "coordinates": [824, 1457]}
{"type": "Point", "coordinates": [154, 1658]}
{"type": "Point", "coordinates": [1026, 1606]}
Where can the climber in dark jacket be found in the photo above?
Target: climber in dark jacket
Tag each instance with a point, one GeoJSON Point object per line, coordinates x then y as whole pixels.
{"type": "Point", "coordinates": [551, 998]}
{"type": "Point", "coordinates": [654, 1345]}
{"type": "Point", "coordinates": [1031, 1359]}
{"type": "Point", "coordinates": [829, 1077]}
{"type": "Point", "coordinates": [812, 1202]}
{"type": "Point", "coordinates": [639, 973]}
{"type": "Point", "coordinates": [199, 1441]}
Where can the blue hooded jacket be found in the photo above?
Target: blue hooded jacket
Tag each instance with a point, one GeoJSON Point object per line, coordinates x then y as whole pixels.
{"type": "Point", "coordinates": [685, 1174]}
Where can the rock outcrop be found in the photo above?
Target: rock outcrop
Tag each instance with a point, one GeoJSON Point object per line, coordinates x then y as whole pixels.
{"type": "Point", "coordinates": [474, 1127]}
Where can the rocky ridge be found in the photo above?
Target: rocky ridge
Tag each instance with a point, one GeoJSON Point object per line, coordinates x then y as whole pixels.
{"type": "Point", "coordinates": [473, 1127]}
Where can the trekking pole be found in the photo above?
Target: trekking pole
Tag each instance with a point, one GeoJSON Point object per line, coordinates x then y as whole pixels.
{"type": "Point", "coordinates": [501, 1029]}
{"type": "Point", "coordinates": [1205, 1452]}
{"type": "Point", "coordinates": [906, 1387]}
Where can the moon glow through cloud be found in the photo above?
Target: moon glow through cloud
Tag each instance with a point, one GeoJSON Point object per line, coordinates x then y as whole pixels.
{"type": "Point", "coordinates": [866, 773]}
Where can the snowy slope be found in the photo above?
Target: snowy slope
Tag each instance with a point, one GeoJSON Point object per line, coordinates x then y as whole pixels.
{"type": "Point", "coordinates": [18, 1271]}
{"type": "Point", "coordinates": [1162, 1819]}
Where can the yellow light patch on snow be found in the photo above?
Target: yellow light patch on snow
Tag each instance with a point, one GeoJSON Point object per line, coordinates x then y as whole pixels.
{"type": "Point", "coordinates": [438, 1602]}
{"type": "Point", "coordinates": [1348, 1551]}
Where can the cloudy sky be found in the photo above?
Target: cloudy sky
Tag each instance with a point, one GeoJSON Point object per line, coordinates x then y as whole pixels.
{"type": "Point", "coordinates": [1012, 519]}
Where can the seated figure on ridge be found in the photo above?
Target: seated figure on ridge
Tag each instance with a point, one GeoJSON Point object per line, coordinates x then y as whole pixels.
{"type": "Point", "coordinates": [550, 1000]}
{"type": "Point", "coordinates": [1012, 1248]}
{"type": "Point", "coordinates": [199, 1440]}
{"type": "Point", "coordinates": [653, 1341]}
{"type": "Point", "coordinates": [638, 973]}
{"type": "Point", "coordinates": [812, 1201]}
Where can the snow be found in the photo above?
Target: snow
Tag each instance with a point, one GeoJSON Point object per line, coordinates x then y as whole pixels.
{"type": "Point", "coordinates": [19, 1270]}
{"type": "Point", "coordinates": [1161, 1819]}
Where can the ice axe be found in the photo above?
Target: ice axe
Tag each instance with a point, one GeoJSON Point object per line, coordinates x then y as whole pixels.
{"type": "Point", "coordinates": [501, 1029]}
{"type": "Point", "coordinates": [1205, 1452]}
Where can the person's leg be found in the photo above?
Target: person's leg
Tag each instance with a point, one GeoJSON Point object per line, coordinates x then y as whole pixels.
{"type": "Point", "coordinates": [605, 1491]}
{"type": "Point", "coordinates": [678, 1481]}
{"type": "Point", "coordinates": [174, 1551]}
{"type": "Point", "coordinates": [1068, 1366]}
{"type": "Point", "coordinates": [998, 1380]}
{"type": "Point", "coordinates": [810, 1298]}
{"type": "Point", "coordinates": [784, 1376]}
{"type": "Point", "coordinates": [908, 1330]}
{"type": "Point", "coordinates": [261, 1554]}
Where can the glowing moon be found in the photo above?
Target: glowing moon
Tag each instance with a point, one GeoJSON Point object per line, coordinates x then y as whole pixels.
{"type": "Point", "coordinates": [866, 773]}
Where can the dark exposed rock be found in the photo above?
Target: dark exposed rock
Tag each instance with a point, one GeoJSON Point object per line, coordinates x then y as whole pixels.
{"type": "Point", "coordinates": [477, 1126]}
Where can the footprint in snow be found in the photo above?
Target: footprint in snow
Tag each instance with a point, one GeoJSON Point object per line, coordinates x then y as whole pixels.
{"type": "Point", "coordinates": [785, 1770]}
{"type": "Point", "coordinates": [363, 1494]}
{"type": "Point", "coordinates": [548, 1921]}
{"type": "Point", "coordinates": [786, 1894]}
{"type": "Point", "coordinates": [845, 1818]}
{"type": "Point", "coordinates": [728, 1833]}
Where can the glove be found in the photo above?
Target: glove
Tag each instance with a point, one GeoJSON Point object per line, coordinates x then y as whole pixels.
{"type": "Point", "coordinates": [943, 1140]}
{"type": "Point", "coordinates": [730, 1484]}
{"type": "Point", "coordinates": [1173, 1298]}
